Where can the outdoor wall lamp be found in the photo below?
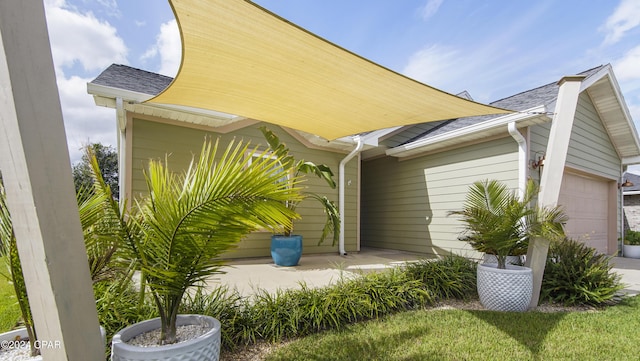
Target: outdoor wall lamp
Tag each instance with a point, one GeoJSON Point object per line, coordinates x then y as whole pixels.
{"type": "Point", "coordinates": [535, 164]}
{"type": "Point", "coordinates": [626, 183]}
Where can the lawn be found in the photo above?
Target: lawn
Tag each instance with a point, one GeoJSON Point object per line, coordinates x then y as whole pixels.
{"type": "Point", "coordinates": [9, 309]}
{"type": "Point", "coordinates": [606, 334]}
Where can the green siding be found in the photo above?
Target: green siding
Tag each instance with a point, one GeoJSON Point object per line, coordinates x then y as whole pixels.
{"type": "Point", "coordinates": [154, 140]}
{"type": "Point", "coordinates": [590, 148]}
{"type": "Point", "coordinates": [405, 203]}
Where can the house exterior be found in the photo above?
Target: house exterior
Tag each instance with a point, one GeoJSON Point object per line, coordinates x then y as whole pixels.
{"type": "Point", "coordinates": [427, 169]}
{"type": "Point", "coordinates": [631, 192]}
{"type": "Point", "coordinates": [403, 182]}
{"type": "Point", "coordinates": [152, 132]}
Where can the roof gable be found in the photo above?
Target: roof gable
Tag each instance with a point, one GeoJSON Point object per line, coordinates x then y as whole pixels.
{"type": "Point", "coordinates": [132, 79]}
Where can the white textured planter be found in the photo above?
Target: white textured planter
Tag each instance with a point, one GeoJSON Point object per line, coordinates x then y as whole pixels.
{"type": "Point", "coordinates": [203, 348]}
{"type": "Point", "coordinates": [505, 289]}
{"type": "Point", "coordinates": [631, 251]}
{"type": "Point", "coordinates": [491, 258]}
{"type": "Point", "coordinates": [22, 334]}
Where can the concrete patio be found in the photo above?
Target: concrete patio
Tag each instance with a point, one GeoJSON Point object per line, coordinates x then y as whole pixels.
{"type": "Point", "coordinates": [320, 270]}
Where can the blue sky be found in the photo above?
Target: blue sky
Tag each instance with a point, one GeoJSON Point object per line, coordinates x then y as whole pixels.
{"type": "Point", "coordinates": [492, 49]}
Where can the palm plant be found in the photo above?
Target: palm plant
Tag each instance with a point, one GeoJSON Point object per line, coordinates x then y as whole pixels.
{"type": "Point", "coordinates": [100, 251]}
{"type": "Point", "coordinates": [297, 168]}
{"type": "Point", "coordinates": [498, 221]}
{"type": "Point", "coordinates": [9, 249]}
{"type": "Point", "coordinates": [176, 233]}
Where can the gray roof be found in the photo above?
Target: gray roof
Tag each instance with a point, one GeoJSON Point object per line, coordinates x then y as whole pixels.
{"type": "Point", "coordinates": [543, 95]}
{"type": "Point", "coordinates": [633, 178]}
{"type": "Point", "coordinates": [132, 79]}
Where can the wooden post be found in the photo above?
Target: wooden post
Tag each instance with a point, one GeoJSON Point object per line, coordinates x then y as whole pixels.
{"type": "Point", "coordinates": [551, 180]}
{"type": "Point", "coordinates": [35, 166]}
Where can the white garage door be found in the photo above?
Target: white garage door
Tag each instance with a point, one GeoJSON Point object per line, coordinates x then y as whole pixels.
{"type": "Point", "coordinates": [586, 201]}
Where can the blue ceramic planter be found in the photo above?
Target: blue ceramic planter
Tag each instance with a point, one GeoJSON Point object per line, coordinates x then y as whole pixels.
{"type": "Point", "coordinates": [286, 250]}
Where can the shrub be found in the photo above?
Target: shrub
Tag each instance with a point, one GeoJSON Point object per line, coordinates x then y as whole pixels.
{"type": "Point", "coordinates": [632, 238]}
{"type": "Point", "coordinates": [449, 277]}
{"type": "Point", "coordinates": [230, 308]}
{"type": "Point", "coordinates": [118, 305]}
{"type": "Point", "coordinates": [576, 274]}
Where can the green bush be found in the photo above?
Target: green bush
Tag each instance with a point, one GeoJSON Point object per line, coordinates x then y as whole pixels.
{"type": "Point", "coordinates": [118, 305]}
{"type": "Point", "coordinates": [632, 238]}
{"type": "Point", "coordinates": [450, 277]}
{"type": "Point", "coordinates": [230, 308]}
{"type": "Point", "coordinates": [294, 313]}
{"type": "Point", "coordinates": [576, 274]}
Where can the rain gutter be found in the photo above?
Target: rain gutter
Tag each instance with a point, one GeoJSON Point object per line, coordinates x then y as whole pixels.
{"type": "Point", "coordinates": [341, 190]}
{"type": "Point", "coordinates": [522, 156]}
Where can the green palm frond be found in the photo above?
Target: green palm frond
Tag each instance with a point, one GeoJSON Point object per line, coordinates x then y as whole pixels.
{"type": "Point", "coordinates": [498, 221]}
{"type": "Point", "coordinates": [178, 232]}
{"type": "Point", "coordinates": [302, 167]}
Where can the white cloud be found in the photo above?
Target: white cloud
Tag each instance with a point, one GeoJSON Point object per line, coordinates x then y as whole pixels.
{"type": "Point", "coordinates": [433, 65]}
{"type": "Point", "coordinates": [84, 121]}
{"type": "Point", "coordinates": [169, 47]}
{"type": "Point", "coordinates": [430, 9]}
{"type": "Point", "coordinates": [624, 18]}
{"type": "Point", "coordinates": [82, 38]}
{"type": "Point", "coordinates": [628, 68]}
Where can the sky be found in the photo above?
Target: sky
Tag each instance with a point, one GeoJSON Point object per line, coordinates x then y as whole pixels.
{"type": "Point", "coordinates": [492, 49]}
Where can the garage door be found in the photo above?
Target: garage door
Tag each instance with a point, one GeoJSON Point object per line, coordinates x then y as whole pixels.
{"type": "Point", "coordinates": [586, 201]}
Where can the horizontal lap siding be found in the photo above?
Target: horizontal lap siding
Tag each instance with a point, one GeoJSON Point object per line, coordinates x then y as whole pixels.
{"type": "Point", "coordinates": [590, 148]}
{"type": "Point", "coordinates": [405, 203]}
{"type": "Point", "coordinates": [152, 140]}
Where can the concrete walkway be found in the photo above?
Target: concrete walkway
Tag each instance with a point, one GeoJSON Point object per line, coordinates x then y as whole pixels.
{"type": "Point", "coordinates": [629, 269]}
{"type": "Point", "coordinates": [313, 270]}
{"type": "Point", "coordinates": [321, 270]}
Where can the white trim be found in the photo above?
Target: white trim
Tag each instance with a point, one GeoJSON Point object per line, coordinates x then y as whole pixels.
{"type": "Point", "coordinates": [137, 97]}
{"type": "Point", "coordinates": [475, 128]}
{"type": "Point", "coordinates": [341, 190]}
{"type": "Point", "coordinates": [523, 152]}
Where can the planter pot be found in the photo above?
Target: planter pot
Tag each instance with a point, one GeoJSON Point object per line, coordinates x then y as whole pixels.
{"type": "Point", "coordinates": [22, 334]}
{"type": "Point", "coordinates": [631, 251]}
{"type": "Point", "coordinates": [286, 250]}
{"type": "Point", "coordinates": [205, 347]}
{"type": "Point", "coordinates": [514, 260]}
{"type": "Point", "coordinates": [505, 289]}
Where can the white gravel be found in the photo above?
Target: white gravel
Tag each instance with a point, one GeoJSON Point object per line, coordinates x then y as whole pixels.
{"type": "Point", "coordinates": [183, 333]}
{"type": "Point", "coordinates": [17, 354]}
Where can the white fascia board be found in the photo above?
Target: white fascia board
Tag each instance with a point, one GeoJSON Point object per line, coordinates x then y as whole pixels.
{"type": "Point", "coordinates": [631, 160]}
{"type": "Point", "coordinates": [475, 128]}
{"type": "Point", "coordinates": [631, 193]}
{"type": "Point", "coordinates": [607, 71]}
{"type": "Point", "coordinates": [110, 92]}
{"type": "Point", "coordinates": [136, 97]}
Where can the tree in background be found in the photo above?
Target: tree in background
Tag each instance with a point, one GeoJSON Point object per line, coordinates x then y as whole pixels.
{"type": "Point", "coordinates": [107, 161]}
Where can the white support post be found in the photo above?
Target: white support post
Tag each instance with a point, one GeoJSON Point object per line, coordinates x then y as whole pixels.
{"type": "Point", "coordinates": [35, 166]}
{"type": "Point", "coordinates": [554, 164]}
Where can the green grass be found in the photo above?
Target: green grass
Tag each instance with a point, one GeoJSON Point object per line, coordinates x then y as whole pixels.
{"type": "Point", "coordinates": [9, 309]}
{"type": "Point", "coordinates": [607, 334]}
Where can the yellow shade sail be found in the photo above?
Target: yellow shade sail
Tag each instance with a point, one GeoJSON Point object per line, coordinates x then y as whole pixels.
{"type": "Point", "coordinates": [241, 59]}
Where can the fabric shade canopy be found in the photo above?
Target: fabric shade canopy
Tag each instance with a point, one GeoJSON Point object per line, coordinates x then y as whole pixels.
{"type": "Point", "coordinates": [241, 59]}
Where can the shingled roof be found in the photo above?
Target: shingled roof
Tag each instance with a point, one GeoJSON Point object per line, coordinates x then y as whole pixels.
{"type": "Point", "coordinates": [543, 95]}
{"type": "Point", "coordinates": [132, 79]}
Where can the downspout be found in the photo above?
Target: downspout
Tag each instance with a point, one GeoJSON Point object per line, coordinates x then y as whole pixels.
{"type": "Point", "coordinates": [121, 119]}
{"type": "Point", "coordinates": [522, 157]}
{"type": "Point", "coordinates": [341, 190]}
{"type": "Point", "coordinates": [621, 189]}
